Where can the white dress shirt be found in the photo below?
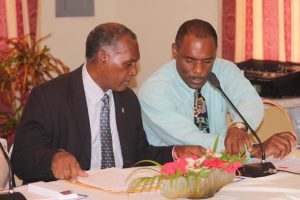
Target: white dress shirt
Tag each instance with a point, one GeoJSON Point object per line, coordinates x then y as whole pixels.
{"type": "Point", "coordinates": [94, 94]}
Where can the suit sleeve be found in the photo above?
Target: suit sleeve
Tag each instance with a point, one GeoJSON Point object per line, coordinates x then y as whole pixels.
{"type": "Point", "coordinates": [32, 154]}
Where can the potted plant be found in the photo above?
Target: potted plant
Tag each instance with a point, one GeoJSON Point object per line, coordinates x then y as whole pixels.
{"type": "Point", "coordinates": [23, 65]}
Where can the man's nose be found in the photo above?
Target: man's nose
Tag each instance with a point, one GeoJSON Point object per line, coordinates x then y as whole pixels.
{"type": "Point", "coordinates": [133, 70]}
{"type": "Point", "coordinates": [197, 68]}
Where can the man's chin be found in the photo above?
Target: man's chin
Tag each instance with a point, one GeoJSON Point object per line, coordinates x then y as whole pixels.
{"type": "Point", "coordinates": [120, 89]}
{"type": "Point", "coordinates": [195, 86]}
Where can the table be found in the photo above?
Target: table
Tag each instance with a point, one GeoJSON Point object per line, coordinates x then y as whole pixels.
{"type": "Point", "coordinates": [280, 186]}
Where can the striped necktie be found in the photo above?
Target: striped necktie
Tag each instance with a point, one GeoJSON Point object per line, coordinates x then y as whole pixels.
{"type": "Point", "coordinates": [200, 112]}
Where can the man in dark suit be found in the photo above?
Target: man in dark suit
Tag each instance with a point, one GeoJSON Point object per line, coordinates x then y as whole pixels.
{"type": "Point", "coordinates": [60, 133]}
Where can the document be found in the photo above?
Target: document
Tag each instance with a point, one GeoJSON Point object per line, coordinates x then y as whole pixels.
{"type": "Point", "coordinates": [115, 179]}
{"type": "Point", "coordinates": [289, 164]}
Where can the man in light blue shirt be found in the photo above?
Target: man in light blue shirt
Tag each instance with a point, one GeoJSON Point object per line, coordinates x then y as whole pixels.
{"type": "Point", "coordinates": [167, 98]}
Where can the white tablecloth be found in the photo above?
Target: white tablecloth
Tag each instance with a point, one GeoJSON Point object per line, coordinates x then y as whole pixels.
{"type": "Point", "coordinates": [280, 186]}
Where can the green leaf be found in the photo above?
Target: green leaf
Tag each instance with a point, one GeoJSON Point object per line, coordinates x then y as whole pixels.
{"type": "Point", "coordinates": [147, 161]}
{"type": "Point", "coordinates": [136, 171]}
{"type": "Point", "coordinates": [24, 65]}
{"type": "Point", "coordinates": [142, 184]}
{"type": "Point", "coordinates": [216, 144]}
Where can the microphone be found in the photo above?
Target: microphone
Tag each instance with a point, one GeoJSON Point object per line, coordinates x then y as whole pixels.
{"type": "Point", "coordinates": [11, 195]}
{"type": "Point", "coordinates": [255, 169]}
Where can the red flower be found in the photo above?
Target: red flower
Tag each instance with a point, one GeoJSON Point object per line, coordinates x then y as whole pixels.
{"type": "Point", "coordinates": [215, 163]}
{"type": "Point", "coordinates": [186, 164]}
{"type": "Point", "coordinates": [233, 166]}
{"type": "Point", "coordinates": [230, 167]}
{"type": "Point", "coordinates": [172, 167]}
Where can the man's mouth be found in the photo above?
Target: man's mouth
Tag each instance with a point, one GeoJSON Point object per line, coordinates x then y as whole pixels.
{"type": "Point", "coordinates": [197, 81]}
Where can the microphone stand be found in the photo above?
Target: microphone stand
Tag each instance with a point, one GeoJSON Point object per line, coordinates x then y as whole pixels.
{"type": "Point", "coordinates": [249, 170]}
{"type": "Point", "coordinates": [11, 195]}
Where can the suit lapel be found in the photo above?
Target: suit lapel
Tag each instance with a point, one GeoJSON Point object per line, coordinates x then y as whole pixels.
{"type": "Point", "coordinates": [120, 110]}
{"type": "Point", "coordinates": [78, 106]}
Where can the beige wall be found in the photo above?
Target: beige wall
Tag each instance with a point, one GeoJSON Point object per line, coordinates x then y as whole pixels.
{"type": "Point", "coordinates": [154, 21]}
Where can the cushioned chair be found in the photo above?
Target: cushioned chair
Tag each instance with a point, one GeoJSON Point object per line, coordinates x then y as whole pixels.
{"type": "Point", "coordinates": [276, 119]}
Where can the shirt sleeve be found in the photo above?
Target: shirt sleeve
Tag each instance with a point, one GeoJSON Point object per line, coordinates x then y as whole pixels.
{"type": "Point", "coordinates": [242, 94]}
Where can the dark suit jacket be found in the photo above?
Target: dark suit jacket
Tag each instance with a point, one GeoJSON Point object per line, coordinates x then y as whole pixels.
{"type": "Point", "coordinates": [56, 117]}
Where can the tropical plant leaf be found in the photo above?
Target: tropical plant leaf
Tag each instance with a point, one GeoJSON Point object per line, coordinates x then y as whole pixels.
{"type": "Point", "coordinates": [147, 161]}
{"type": "Point", "coordinates": [142, 184]}
{"type": "Point", "coordinates": [216, 143]}
{"type": "Point", "coordinates": [138, 170]}
{"type": "Point", "coordinates": [24, 64]}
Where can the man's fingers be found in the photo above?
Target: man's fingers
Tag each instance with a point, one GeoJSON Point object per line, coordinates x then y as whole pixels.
{"type": "Point", "coordinates": [197, 150]}
{"type": "Point", "coordinates": [228, 146]}
{"type": "Point", "coordinates": [280, 144]}
{"type": "Point", "coordinates": [60, 174]}
{"type": "Point", "coordinates": [248, 144]}
{"type": "Point", "coordinates": [237, 146]}
{"type": "Point", "coordinates": [65, 166]}
{"type": "Point", "coordinates": [291, 138]}
{"type": "Point", "coordinates": [82, 173]}
{"type": "Point", "coordinates": [235, 141]}
{"type": "Point", "coordinates": [55, 173]}
{"type": "Point", "coordinates": [191, 150]}
{"type": "Point", "coordinates": [66, 170]}
{"type": "Point", "coordinates": [74, 172]}
{"type": "Point", "coordinates": [256, 151]}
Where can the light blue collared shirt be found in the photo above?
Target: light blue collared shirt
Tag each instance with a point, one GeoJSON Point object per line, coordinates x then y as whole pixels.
{"type": "Point", "coordinates": [167, 105]}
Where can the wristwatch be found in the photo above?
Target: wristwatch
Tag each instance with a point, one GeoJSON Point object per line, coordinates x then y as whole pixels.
{"type": "Point", "coordinates": [239, 125]}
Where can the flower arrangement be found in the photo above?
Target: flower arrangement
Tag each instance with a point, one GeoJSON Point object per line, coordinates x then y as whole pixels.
{"type": "Point", "coordinates": [191, 177]}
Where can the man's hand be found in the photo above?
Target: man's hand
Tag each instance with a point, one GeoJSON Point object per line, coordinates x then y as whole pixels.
{"type": "Point", "coordinates": [188, 150]}
{"type": "Point", "coordinates": [65, 166]}
{"type": "Point", "coordinates": [278, 145]}
{"type": "Point", "coordinates": [235, 141]}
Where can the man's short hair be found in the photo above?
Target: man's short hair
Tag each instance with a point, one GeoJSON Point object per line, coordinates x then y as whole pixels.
{"type": "Point", "coordinates": [105, 35]}
{"type": "Point", "coordinates": [196, 27]}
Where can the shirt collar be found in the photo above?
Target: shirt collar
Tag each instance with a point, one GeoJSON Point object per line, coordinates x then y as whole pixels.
{"type": "Point", "coordinates": [92, 90]}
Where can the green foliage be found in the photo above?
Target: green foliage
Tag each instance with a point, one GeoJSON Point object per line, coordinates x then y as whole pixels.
{"type": "Point", "coordinates": [23, 65]}
{"type": "Point", "coordinates": [140, 184]}
{"type": "Point", "coordinates": [216, 144]}
{"type": "Point", "coordinates": [233, 158]}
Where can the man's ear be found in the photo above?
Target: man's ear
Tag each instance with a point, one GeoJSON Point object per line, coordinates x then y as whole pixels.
{"type": "Point", "coordinates": [102, 56]}
{"type": "Point", "coordinates": [174, 50]}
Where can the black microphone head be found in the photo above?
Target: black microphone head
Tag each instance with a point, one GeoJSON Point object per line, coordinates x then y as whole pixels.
{"type": "Point", "coordinates": [214, 81]}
